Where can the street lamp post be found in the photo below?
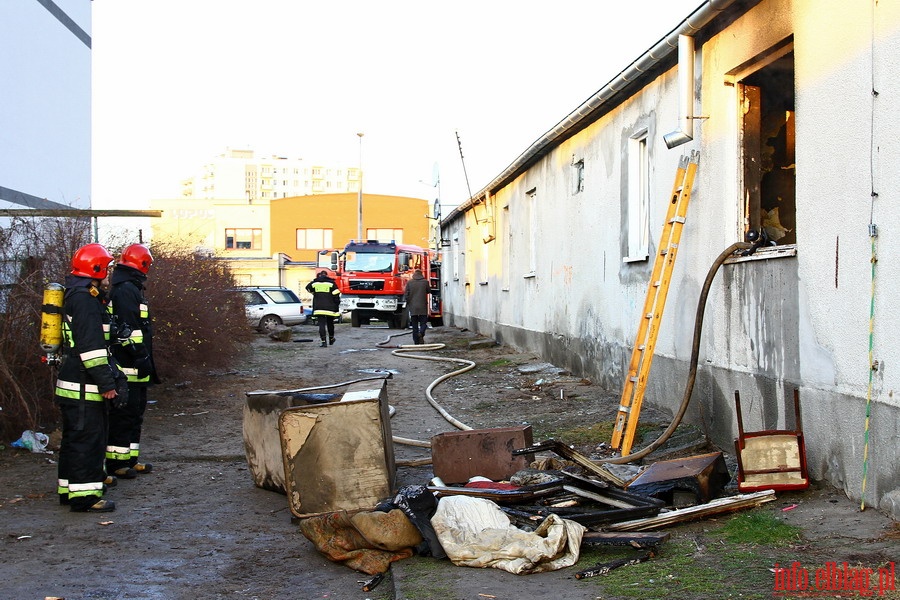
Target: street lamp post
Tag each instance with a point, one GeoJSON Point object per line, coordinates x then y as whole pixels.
{"type": "Point", "coordinates": [359, 226]}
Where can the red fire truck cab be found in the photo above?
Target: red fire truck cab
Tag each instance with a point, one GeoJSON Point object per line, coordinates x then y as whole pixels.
{"type": "Point", "coordinates": [372, 278]}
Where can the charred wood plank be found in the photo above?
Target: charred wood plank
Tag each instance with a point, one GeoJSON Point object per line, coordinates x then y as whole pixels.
{"type": "Point", "coordinates": [714, 507]}
{"type": "Point", "coordinates": [605, 568]}
{"type": "Point", "coordinates": [635, 539]}
{"type": "Point", "coordinates": [576, 457]}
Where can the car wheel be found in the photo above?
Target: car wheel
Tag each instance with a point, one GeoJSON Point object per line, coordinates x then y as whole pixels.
{"type": "Point", "coordinates": [269, 322]}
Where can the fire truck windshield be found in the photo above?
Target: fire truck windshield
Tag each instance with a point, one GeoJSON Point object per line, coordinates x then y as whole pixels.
{"type": "Point", "coordinates": [369, 262]}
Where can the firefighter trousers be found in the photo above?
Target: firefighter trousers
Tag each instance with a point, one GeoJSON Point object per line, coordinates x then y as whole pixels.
{"type": "Point", "coordinates": [125, 424]}
{"type": "Point", "coordinates": [82, 450]}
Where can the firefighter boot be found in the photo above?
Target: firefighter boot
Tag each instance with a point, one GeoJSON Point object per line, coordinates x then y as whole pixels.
{"type": "Point", "coordinates": [142, 468]}
{"type": "Point", "coordinates": [100, 506]}
{"type": "Point", "coordinates": [125, 473]}
{"type": "Point", "coordinates": [331, 341]}
{"type": "Point", "coordinates": [324, 344]}
{"type": "Point", "coordinates": [110, 481]}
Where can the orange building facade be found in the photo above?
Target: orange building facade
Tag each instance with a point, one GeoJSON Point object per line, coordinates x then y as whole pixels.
{"type": "Point", "coordinates": [303, 225]}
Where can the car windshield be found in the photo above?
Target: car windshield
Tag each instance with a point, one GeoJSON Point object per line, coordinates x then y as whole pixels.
{"type": "Point", "coordinates": [283, 296]}
{"type": "Point", "coordinates": [369, 262]}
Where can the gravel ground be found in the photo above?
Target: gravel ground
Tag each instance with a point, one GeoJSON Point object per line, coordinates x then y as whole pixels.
{"type": "Point", "coordinates": [197, 527]}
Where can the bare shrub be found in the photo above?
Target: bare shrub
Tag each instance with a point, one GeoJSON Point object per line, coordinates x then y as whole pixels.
{"type": "Point", "coordinates": [198, 325]}
{"type": "Point", "coordinates": [33, 252]}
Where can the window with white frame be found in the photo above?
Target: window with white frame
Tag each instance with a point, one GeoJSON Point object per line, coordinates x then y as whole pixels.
{"type": "Point", "coordinates": [578, 176]}
{"type": "Point", "coordinates": [455, 257]}
{"type": "Point", "coordinates": [507, 241]}
{"type": "Point", "coordinates": [637, 205]}
{"type": "Point", "coordinates": [314, 239]}
{"type": "Point", "coordinates": [385, 235]}
{"type": "Point", "coordinates": [528, 231]}
{"type": "Point", "coordinates": [243, 239]}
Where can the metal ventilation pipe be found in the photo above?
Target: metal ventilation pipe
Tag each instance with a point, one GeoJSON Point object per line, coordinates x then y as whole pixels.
{"type": "Point", "coordinates": [685, 131]}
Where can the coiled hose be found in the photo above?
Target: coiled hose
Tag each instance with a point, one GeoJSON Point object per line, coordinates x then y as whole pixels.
{"type": "Point", "coordinates": [407, 352]}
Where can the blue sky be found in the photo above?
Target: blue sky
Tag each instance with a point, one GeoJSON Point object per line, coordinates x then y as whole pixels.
{"type": "Point", "coordinates": [178, 81]}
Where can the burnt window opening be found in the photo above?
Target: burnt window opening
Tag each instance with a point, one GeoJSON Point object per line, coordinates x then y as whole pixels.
{"type": "Point", "coordinates": [768, 148]}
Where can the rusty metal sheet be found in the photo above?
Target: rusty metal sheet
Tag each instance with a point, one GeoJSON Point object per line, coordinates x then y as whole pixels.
{"type": "Point", "coordinates": [458, 456]}
{"type": "Point", "coordinates": [704, 475]}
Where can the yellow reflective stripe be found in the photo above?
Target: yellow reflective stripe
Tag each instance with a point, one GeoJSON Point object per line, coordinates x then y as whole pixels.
{"type": "Point", "coordinates": [84, 489]}
{"type": "Point", "coordinates": [94, 358]}
{"type": "Point", "coordinates": [137, 337]}
{"type": "Point", "coordinates": [117, 453]}
{"type": "Point", "coordinates": [144, 311]}
{"type": "Point", "coordinates": [135, 450]}
{"type": "Point", "coordinates": [129, 371]}
{"type": "Point", "coordinates": [68, 389]}
{"type": "Point", "coordinates": [74, 386]}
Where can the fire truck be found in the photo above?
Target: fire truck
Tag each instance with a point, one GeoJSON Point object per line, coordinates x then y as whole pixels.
{"type": "Point", "coordinates": [372, 277]}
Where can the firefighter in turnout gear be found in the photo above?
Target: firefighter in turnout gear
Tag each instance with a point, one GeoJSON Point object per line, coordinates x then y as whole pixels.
{"type": "Point", "coordinates": [133, 350]}
{"type": "Point", "coordinates": [88, 380]}
{"type": "Point", "coordinates": [326, 304]}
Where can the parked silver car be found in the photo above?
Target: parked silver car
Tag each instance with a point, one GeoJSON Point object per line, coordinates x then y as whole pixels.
{"type": "Point", "coordinates": [268, 307]}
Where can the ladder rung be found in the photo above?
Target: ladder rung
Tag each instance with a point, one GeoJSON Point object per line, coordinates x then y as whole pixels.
{"type": "Point", "coordinates": [624, 409]}
{"type": "Point", "coordinates": [663, 251]}
{"type": "Point", "coordinates": [648, 316]}
{"type": "Point", "coordinates": [677, 219]}
{"type": "Point", "coordinates": [642, 347]}
{"type": "Point", "coordinates": [657, 283]}
{"type": "Point", "coordinates": [633, 379]}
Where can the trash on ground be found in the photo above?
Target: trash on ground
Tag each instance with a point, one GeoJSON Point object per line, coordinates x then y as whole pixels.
{"type": "Point", "coordinates": [34, 441]}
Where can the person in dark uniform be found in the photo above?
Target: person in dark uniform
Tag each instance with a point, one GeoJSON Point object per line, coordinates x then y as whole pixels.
{"type": "Point", "coordinates": [416, 296]}
{"type": "Point", "coordinates": [88, 379]}
{"type": "Point", "coordinates": [133, 350]}
{"type": "Point", "coordinates": [326, 304]}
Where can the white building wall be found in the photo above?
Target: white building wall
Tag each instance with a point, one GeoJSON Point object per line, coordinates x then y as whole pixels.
{"type": "Point", "coordinates": [45, 110]}
{"type": "Point", "coordinates": [771, 325]}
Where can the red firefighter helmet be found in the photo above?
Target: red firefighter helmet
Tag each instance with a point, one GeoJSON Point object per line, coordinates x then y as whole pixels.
{"type": "Point", "coordinates": [91, 261]}
{"type": "Point", "coordinates": [137, 256]}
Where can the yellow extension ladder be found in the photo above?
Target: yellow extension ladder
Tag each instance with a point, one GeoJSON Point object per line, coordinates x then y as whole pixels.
{"type": "Point", "coordinates": [651, 317]}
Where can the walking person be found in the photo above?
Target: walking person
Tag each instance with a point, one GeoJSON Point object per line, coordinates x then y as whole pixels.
{"type": "Point", "coordinates": [133, 350]}
{"type": "Point", "coordinates": [416, 297]}
{"type": "Point", "coordinates": [326, 304]}
{"type": "Point", "coordinates": [88, 379]}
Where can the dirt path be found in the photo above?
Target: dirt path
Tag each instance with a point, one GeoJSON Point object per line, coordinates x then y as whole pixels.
{"type": "Point", "coordinates": [198, 528]}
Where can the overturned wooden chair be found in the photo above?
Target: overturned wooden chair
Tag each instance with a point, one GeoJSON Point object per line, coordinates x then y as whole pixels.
{"type": "Point", "coordinates": [774, 459]}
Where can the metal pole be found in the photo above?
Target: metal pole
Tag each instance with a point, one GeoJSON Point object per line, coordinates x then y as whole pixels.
{"type": "Point", "coordinates": [359, 227]}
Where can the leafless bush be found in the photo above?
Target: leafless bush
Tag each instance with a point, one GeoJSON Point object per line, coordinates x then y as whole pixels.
{"type": "Point", "coordinates": [198, 325]}
{"type": "Point", "coordinates": [33, 252]}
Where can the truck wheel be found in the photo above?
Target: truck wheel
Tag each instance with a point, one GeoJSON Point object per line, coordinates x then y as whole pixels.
{"type": "Point", "coordinates": [354, 319]}
{"type": "Point", "coordinates": [403, 320]}
{"type": "Point", "coordinates": [436, 321]}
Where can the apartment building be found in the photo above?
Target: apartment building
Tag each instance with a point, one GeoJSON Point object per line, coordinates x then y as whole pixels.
{"type": "Point", "coordinates": [240, 174]}
{"type": "Point", "coordinates": [275, 242]}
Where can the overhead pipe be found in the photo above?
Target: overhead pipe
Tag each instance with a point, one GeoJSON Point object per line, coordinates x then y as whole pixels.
{"type": "Point", "coordinates": [696, 21]}
{"type": "Point", "coordinates": [685, 131]}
